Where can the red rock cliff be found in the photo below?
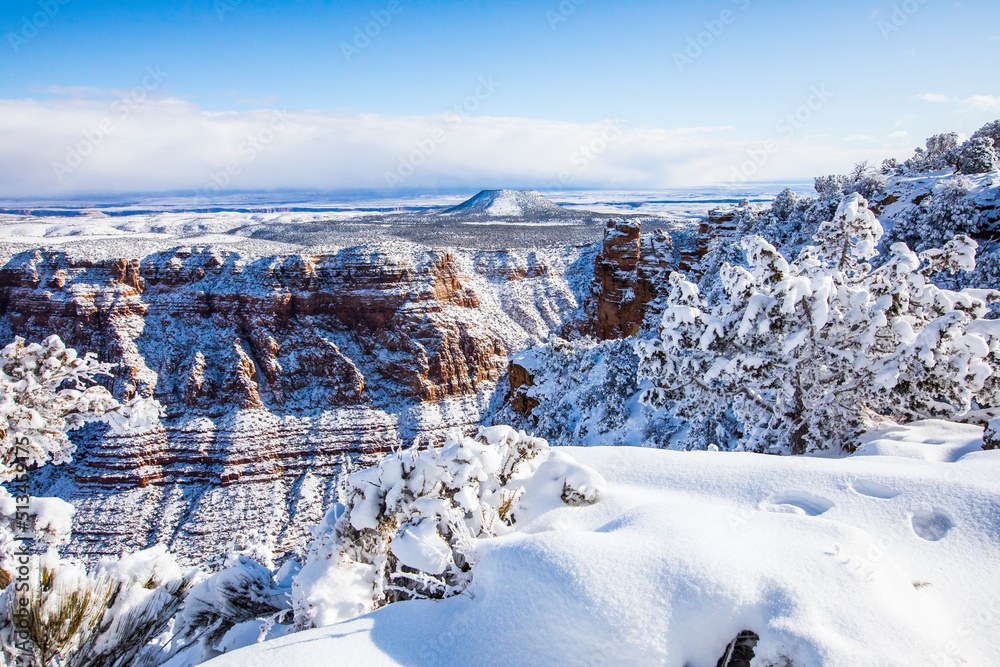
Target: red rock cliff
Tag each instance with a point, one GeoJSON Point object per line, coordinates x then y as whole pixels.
{"type": "Point", "coordinates": [625, 277]}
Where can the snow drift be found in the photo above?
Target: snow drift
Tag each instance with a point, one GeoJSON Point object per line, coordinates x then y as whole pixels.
{"type": "Point", "coordinates": [872, 559]}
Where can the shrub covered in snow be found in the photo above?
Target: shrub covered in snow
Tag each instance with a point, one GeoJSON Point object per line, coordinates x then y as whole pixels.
{"type": "Point", "coordinates": [800, 356]}
{"type": "Point", "coordinates": [105, 618]}
{"type": "Point", "coordinates": [938, 154]}
{"type": "Point", "coordinates": [791, 221]}
{"type": "Point", "coordinates": [938, 218]}
{"type": "Point", "coordinates": [407, 528]}
{"type": "Point", "coordinates": [991, 436]}
{"type": "Point", "coordinates": [237, 606]}
{"type": "Point", "coordinates": [977, 155]}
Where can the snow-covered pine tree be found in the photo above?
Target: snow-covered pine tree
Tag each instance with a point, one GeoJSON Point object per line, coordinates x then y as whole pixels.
{"type": "Point", "coordinates": [800, 356]}
{"type": "Point", "coordinates": [105, 618]}
{"type": "Point", "coordinates": [74, 618]}
{"type": "Point", "coordinates": [990, 130]}
{"type": "Point", "coordinates": [46, 391]}
{"type": "Point", "coordinates": [244, 595]}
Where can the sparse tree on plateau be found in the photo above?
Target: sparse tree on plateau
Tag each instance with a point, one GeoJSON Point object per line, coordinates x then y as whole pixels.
{"type": "Point", "coordinates": [938, 218]}
{"type": "Point", "coordinates": [989, 131]}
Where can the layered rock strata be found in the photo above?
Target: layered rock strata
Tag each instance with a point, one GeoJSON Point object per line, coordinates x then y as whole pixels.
{"type": "Point", "coordinates": [272, 370]}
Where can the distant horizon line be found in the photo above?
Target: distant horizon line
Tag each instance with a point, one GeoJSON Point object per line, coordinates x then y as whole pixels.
{"type": "Point", "coordinates": [372, 191]}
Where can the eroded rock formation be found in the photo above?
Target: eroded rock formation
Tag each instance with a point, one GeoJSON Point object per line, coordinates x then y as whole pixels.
{"type": "Point", "coordinates": [626, 272]}
{"type": "Point", "coordinates": [719, 224]}
{"type": "Point", "coordinates": [520, 381]}
{"type": "Point", "coordinates": [272, 369]}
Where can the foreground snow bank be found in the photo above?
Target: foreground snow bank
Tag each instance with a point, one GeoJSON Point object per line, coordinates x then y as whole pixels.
{"type": "Point", "coordinates": [874, 559]}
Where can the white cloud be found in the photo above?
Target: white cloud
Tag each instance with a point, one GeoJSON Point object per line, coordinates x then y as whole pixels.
{"type": "Point", "coordinates": [861, 137]}
{"type": "Point", "coordinates": [983, 102]}
{"type": "Point", "coordinates": [932, 97]}
{"type": "Point", "coordinates": [162, 144]}
{"type": "Point", "coordinates": [899, 134]}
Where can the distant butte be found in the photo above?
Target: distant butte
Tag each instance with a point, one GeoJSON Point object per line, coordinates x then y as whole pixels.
{"type": "Point", "coordinates": [508, 204]}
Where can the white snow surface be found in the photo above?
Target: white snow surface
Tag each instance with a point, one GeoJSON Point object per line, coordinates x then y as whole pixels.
{"type": "Point", "coordinates": [888, 557]}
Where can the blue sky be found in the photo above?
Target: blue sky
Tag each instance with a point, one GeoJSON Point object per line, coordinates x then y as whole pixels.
{"type": "Point", "coordinates": [693, 90]}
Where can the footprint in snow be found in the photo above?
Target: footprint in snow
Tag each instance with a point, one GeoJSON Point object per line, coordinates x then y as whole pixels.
{"type": "Point", "coordinates": [797, 502]}
{"type": "Point", "coordinates": [866, 487]}
{"type": "Point", "coordinates": [931, 525]}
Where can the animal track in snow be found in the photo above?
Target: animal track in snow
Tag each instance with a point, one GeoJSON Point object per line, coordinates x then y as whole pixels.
{"type": "Point", "coordinates": [931, 525]}
{"type": "Point", "coordinates": [866, 487]}
{"type": "Point", "coordinates": [797, 502]}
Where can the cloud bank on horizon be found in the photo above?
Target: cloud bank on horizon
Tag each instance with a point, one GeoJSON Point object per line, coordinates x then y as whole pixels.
{"type": "Point", "coordinates": [132, 143]}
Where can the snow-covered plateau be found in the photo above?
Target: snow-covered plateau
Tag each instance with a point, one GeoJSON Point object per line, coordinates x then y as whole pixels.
{"type": "Point", "coordinates": [885, 557]}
